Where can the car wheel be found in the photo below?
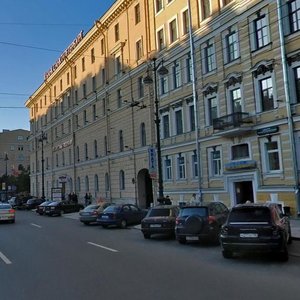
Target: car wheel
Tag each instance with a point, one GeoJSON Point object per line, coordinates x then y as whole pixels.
{"type": "Point", "coordinates": [182, 240]}
{"type": "Point", "coordinates": [227, 254]}
{"type": "Point", "coordinates": [147, 235]}
{"type": "Point", "coordinates": [123, 224]}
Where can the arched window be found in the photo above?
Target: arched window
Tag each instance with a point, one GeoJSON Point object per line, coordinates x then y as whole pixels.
{"type": "Point", "coordinates": [86, 154]}
{"type": "Point", "coordinates": [77, 153]}
{"type": "Point", "coordinates": [95, 148]}
{"type": "Point", "coordinates": [121, 141]}
{"type": "Point", "coordinates": [122, 180]}
{"type": "Point", "coordinates": [87, 183]}
{"type": "Point", "coordinates": [78, 184]}
{"type": "Point", "coordinates": [143, 135]}
{"type": "Point", "coordinates": [107, 182]}
{"type": "Point", "coordinates": [96, 183]}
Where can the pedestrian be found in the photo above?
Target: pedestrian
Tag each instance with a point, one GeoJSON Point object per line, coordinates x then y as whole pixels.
{"type": "Point", "coordinates": [86, 199]}
{"type": "Point", "coordinates": [90, 198]}
{"type": "Point", "coordinates": [193, 199]}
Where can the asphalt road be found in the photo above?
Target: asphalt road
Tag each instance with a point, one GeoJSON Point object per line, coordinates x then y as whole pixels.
{"type": "Point", "coordinates": [57, 258]}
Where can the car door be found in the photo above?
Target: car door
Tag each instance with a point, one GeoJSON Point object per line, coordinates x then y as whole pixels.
{"type": "Point", "coordinates": [126, 214]}
{"type": "Point", "coordinates": [136, 214]}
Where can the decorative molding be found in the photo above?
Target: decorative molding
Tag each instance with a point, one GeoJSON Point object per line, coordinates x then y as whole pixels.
{"type": "Point", "coordinates": [263, 67]}
{"type": "Point", "coordinates": [209, 89]}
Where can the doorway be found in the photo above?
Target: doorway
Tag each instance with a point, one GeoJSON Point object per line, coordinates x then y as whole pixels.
{"type": "Point", "coordinates": [243, 191]}
{"type": "Point", "coordinates": [145, 192]}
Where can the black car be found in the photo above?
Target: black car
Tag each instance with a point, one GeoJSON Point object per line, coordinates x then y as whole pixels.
{"type": "Point", "coordinates": [121, 215]}
{"type": "Point", "coordinates": [160, 219]}
{"type": "Point", "coordinates": [40, 209]}
{"type": "Point", "coordinates": [200, 222]}
{"type": "Point", "coordinates": [57, 208]}
{"type": "Point", "coordinates": [33, 203]}
{"type": "Point", "coordinates": [256, 228]}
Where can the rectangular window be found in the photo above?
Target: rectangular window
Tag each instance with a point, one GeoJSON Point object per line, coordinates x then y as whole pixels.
{"type": "Point", "coordinates": [163, 85]}
{"type": "Point", "coordinates": [102, 47]}
{"type": "Point", "coordinates": [297, 82]}
{"type": "Point", "coordinates": [209, 56]}
{"type": "Point", "coordinates": [236, 100]}
{"type": "Point", "coordinates": [173, 31]}
{"type": "Point", "coordinates": [192, 117]}
{"type": "Point", "coordinates": [61, 85]}
{"type": "Point", "coordinates": [232, 46]}
{"type": "Point", "coordinates": [294, 15]}
{"type": "Point", "coordinates": [261, 32]}
{"type": "Point", "coordinates": [117, 32]}
{"type": "Point", "coordinates": [160, 40]}
{"type": "Point", "coordinates": [166, 126]}
{"type": "Point", "coordinates": [189, 69]}
{"type": "Point", "coordinates": [240, 151]}
{"type": "Point", "coordinates": [92, 55]}
{"type": "Point", "coordinates": [84, 90]}
{"type": "Point", "coordinates": [212, 109]}
{"type": "Point", "coordinates": [68, 78]}
{"type": "Point", "coordinates": [119, 98]}
{"type": "Point", "coordinates": [94, 83]}
{"type": "Point", "coordinates": [76, 97]}
{"type": "Point", "coordinates": [206, 9]}
{"type": "Point", "coordinates": [216, 163]}
{"type": "Point", "coordinates": [176, 75]}
{"type": "Point", "coordinates": [94, 112]}
{"type": "Point", "coordinates": [158, 5]}
{"type": "Point", "coordinates": [185, 22]}
{"type": "Point", "coordinates": [140, 87]}
{"type": "Point", "coordinates": [83, 64]}
{"type": "Point", "coordinates": [266, 92]}
{"type": "Point", "coordinates": [103, 76]}
{"type": "Point", "coordinates": [272, 153]}
{"type": "Point", "coordinates": [75, 72]}
{"type": "Point", "coordinates": [168, 169]}
{"type": "Point", "coordinates": [139, 49]}
{"type": "Point", "coordinates": [137, 14]}
{"type": "Point", "coordinates": [195, 165]}
{"type": "Point", "coordinates": [179, 122]}
{"type": "Point", "coordinates": [181, 167]}
{"type": "Point", "coordinates": [118, 67]}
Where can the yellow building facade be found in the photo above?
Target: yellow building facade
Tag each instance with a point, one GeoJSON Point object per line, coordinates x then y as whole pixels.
{"type": "Point", "coordinates": [227, 109]}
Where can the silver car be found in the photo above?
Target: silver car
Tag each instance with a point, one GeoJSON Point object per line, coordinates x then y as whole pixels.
{"type": "Point", "coordinates": [7, 213]}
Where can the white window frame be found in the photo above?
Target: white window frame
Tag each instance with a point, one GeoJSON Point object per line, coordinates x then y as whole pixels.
{"type": "Point", "coordinates": [208, 121]}
{"type": "Point", "coordinates": [139, 50]}
{"type": "Point", "coordinates": [181, 168]}
{"type": "Point", "coordinates": [229, 97]}
{"type": "Point", "coordinates": [162, 125]}
{"type": "Point", "coordinates": [162, 28]}
{"type": "Point", "coordinates": [175, 120]}
{"type": "Point", "coordinates": [205, 61]}
{"type": "Point", "coordinates": [168, 170]}
{"type": "Point", "coordinates": [231, 30]}
{"type": "Point", "coordinates": [162, 6]}
{"type": "Point", "coordinates": [185, 9]}
{"type": "Point", "coordinates": [169, 31]}
{"type": "Point", "coordinates": [176, 74]}
{"type": "Point", "coordinates": [210, 152]}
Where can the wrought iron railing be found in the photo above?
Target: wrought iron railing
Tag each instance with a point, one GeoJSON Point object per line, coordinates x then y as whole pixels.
{"type": "Point", "coordinates": [233, 120]}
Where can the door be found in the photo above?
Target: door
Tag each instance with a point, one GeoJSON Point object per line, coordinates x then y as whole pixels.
{"type": "Point", "coordinates": [243, 191]}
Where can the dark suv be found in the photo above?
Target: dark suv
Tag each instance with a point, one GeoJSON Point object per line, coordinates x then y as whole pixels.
{"type": "Point", "coordinates": [256, 228]}
{"type": "Point", "coordinates": [199, 222]}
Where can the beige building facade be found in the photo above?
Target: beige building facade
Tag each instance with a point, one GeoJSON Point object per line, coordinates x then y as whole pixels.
{"type": "Point", "coordinates": [228, 107]}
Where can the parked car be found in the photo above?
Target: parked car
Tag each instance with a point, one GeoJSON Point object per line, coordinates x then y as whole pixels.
{"type": "Point", "coordinates": [160, 219]}
{"type": "Point", "coordinates": [33, 203]}
{"type": "Point", "coordinates": [200, 222]}
{"type": "Point", "coordinates": [121, 215]}
{"type": "Point", "coordinates": [90, 213]}
{"type": "Point", "coordinates": [57, 208]}
{"type": "Point", "coordinates": [7, 213]}
{"type": "Point", "coordinates": [40, 209]}
{"type": "Point", "coordinates": [256, 228]}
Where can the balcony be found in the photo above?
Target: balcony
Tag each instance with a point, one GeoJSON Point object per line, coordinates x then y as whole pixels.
{"type": "Point", "coordinates": [237, 123]}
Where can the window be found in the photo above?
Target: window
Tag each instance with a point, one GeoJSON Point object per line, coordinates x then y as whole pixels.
{"type": "Point", "coordinates": [119, 98]}
{"type": "Point", "coordinates": [206, 9]}
{"type": "Point", "coordinates": [185, 22]}
{"type": "Point", "coordinates": [68, 78]}
{"type": "Point", "coordinates": [181, 166]}
{"type": "Point", "coordinates": [261, 32]}
{"type": "Point", "coordinates": [160, 40]}
{"type": "Point", "coordinates": [78, 184]}
{"type": "Point", "coordinates": [168, 168]}
{"type": "Point", "coordinates": [105, 145]}
{"type": "Point", "coordinates": [63, 158]}
{"type": "Point", "coordinates": [117, 32]}
{"type": "Point", "coordinates": [92, 55]}
{"type": "Point", "coordinates": [94, 83]}
{"type": "Point", "coordinates": [103, 76]}
{"type": "Point", "coordinates": [139, 49]}
{"type": "Point", "coordinates": [266, 94]}
{"type": "Point", "coordinates": [140, 87]}
{"type": "Point", "coordinates": [83, 64]}
{"type": "Point", "coordinates": [61, 85]}
{"type": "Point", "coordinates": [95, 148]}
{"type": "Point", "coordinates": [232, 49]}
{"type": "Point", "coordinates": [158, 5]}
{"type": "Point", "coordinates": [121, 141]}
{"type": "Point", "coordinates": [240, 151]}
{"type": "Point", "coordinates": [294, 15]}
{"type": "Point", "coordinates": [191, 118]}
{"type": "Point", "coordinates": [163, 85]}
{"type": "Point", "coordinates": [75, 71]}
{"type": "Point", "coordinates": [166, 126]}
{"type": "Point", "coordinates": [76, 96]}
{"type": "Point", "coordinates": [236, 100]}
{"type": "Point", "coordinates": [102, 47]}
{"type": "Point", "coordinates": [107, 184]}
{"type": "Point", "coordinates": [216, 163]}
{"type": "Point", "coordinates": [178, 121]}
{"type": "Point", "coordinates": [176, 71]}
{"type": "Point", "coordinates": [96, 183]}
{"type": "Point", "coordinates": [137, 14]}
{"type": "Point", "coordinates": [84, 90]}
{"type": "Point", "coordinates": [271, 150]}
{"type": "Point", "coordinates": [122, 180]}
{"type": "Point", "coordinates": [297, 83]}
{"type": "Point", "coordinates": [86, 153]}
{"type": "Point", "coordinates": [212, 109]}
{"type": "Point", "coordinates": [209, 57]}
{"type": "Point", "coordinates": [143, 135]}
{"type": "Point", "coordinates": [189, 70]}
{"type": "Point", "coordinates": [173, 31]}
{"type": "Point", "coordinates": [118, 66]}
{"type": "Point", "coordinates": [195, 165]}
{"type": "Point", "coordinates": [94, 112]}
{"type": "Point", "coordinates": [87, 183]}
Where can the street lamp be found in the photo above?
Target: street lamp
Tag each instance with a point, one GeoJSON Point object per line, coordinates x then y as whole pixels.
{"type": "Point", "coordinates": [41, 139]}
{"type": "Point", "coordinates": [162, 71]}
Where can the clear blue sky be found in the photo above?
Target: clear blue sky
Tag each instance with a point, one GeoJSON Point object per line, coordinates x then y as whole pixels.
{"type": "Point", "coordinates": [25, 26]}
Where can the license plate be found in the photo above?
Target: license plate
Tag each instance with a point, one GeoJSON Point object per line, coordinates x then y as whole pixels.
{"type": "Point", "coordinates": [155, 225]}
{"type": "Point", "coordinates": [248, 235]}
{"type": "Point", "coordinates": [104, 217]}
{"type": "Point", "coordinates": [192, 238]}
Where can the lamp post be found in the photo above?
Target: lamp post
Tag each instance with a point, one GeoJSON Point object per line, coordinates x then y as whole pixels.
{"type": "Point", "coordinates": [161, 70]}
{"type": "Point", "coordinates": [41, 139]}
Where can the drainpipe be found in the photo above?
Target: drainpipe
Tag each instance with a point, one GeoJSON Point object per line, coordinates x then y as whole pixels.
{"type": "Point", "coordinates": [288, 104]}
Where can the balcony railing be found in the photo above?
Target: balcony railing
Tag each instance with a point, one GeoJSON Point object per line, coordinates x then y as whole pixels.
{"type": "Point", "coordinates": [233, 120]}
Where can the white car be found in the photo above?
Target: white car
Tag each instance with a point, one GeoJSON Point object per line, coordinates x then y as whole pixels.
{"type": "Point", "coordinates": [7, 213]}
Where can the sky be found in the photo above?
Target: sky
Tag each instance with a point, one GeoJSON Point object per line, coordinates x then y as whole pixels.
{"type": "Point", "coordinates": [33, 34]}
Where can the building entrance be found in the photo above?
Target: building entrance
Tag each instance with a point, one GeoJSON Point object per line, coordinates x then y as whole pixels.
{"type": "Point", "coordinates": [145, 192]}
{"type": "Point", "coordinates": [243, 191]}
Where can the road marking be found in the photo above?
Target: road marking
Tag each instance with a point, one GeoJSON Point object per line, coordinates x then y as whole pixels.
{"type": "Point", "coordinates": [103, 247]}
{"type": "Point", "coordinates": [5, 259]}
{"type": "Point", "coordinates": [35, 225]}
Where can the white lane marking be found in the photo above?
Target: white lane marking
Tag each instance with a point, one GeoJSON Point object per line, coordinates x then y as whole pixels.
{"type": "Point", "coordinates": [5, 259]}
{"type": "Point", "coordinates": [35, 225]}
{"type": "Point", "coordinates": [103, 247]}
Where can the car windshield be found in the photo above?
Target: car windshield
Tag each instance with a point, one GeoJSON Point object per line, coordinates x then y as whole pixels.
{"type": "Point", "coordinates": [4, 206]}
{"type": "Point", "coordinates": [189, 211]}
{"type": "Point", "coordinates": [159, 212]}
{"type": "Point", "coordinates": [250, 214]}
{"type": "Point", "coordinates": [112, 209]}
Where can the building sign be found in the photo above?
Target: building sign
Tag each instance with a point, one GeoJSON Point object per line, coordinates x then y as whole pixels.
{"type": "Point", "coordinates": [152, 162]}
{"type": "Point", "coordinates": [63, 56]}
{"type": "Point", "coordinates": [56, 194]}
{"type": "Point", "coordinates": [63, 145]}
{"type": "Point", "coordinates": [63, 178]}
{"type": "Point", "coordinates": [267, 130]}
{"type": "Point", "coordinates": [240, 165]}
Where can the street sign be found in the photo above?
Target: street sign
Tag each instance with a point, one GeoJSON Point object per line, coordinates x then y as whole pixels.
{"type": "Point", "coordinates": [152, 162]}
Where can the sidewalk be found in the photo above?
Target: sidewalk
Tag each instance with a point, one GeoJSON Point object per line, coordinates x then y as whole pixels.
{"type": "Point", "coordinates": [295, 228]}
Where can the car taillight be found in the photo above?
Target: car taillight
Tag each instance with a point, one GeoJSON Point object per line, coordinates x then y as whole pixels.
{"type": "Point", "coordinates": [11, 211]}
{"type": "Point", "coordinates": [211, 219]}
